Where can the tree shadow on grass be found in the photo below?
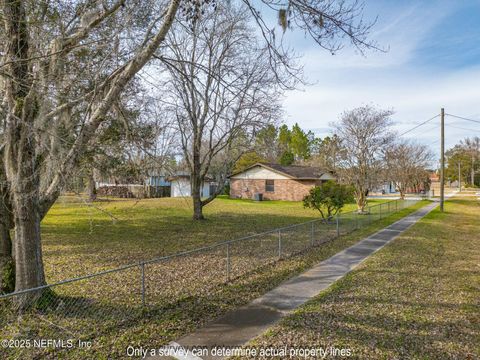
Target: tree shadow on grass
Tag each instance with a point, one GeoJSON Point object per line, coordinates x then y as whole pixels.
{"type": "Point", "coordinates": [157, 324]}
{"type": "Point", "coordinates": [114, 326]}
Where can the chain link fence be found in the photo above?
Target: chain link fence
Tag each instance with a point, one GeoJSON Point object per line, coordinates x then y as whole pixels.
{"type": "Point", "coordinates": [89, 307]}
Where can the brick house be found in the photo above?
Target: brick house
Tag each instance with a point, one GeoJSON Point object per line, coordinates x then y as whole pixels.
{"type": "Point", "coordinates": [276, 182]}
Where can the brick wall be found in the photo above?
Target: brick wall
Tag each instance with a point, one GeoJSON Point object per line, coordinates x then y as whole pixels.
{"type": "Point", "coordinates": [291, 190]}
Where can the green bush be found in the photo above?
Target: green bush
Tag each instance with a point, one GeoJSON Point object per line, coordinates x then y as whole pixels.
{"type": "Point", "coordinates": [287, 158]}
{"type": "Point", "coordinates": [329, 198]}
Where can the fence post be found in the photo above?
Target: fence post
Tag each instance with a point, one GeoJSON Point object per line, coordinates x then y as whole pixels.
{"type": "Point", "coordinates": [279, 244]}
{"type": "Point", "coordinates": [228, 262]}
{"type": "Point", "coordinates": [143, 283]}
{"type": "Point", "coordinates": [338, 226]}
{"type": "Point", "coordinates": [380, 210]}
{"type": "Point", "coordinates": [388, 212]}
{"type": "Point", "coordinates": [396, 205]}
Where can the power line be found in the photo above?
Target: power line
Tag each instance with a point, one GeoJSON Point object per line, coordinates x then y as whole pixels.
{"type": "Point", "coordinates": [417, 126]}
{"type": "Point", "coordinates": [427, 121]}
{"type": "Point", "coordinates": [462, 128]}
{"type": "Point", "coordinates": [464, 118]}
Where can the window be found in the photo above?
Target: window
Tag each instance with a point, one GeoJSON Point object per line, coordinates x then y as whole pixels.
{"type": "Point", "coordinates": [269, 186]}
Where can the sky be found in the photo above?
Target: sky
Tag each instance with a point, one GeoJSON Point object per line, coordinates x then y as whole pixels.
{"type": "Point", "coordinates": [433, 61]}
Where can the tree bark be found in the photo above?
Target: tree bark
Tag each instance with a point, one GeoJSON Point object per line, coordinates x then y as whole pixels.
{"type": "Point", "coordinates": [197, 205]}
{"type": "Point", "coordinates": [20, 156]}
{"type": "Point", "coordinates": [92, 190]}
{"type": "Point", "coordinates": [28, 213]}
{"type": "Point", "coordinates": [196, 183]}
{"type": "Point", "coordinates": [361, 201]}
{"type": "Point", "coordinates": [196, 177]}
{"type": "Point", "coordinates": [29, 271]}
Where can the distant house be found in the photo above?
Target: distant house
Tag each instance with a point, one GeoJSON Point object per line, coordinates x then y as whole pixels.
{"type": "Point", "coordinates": [277, 182]}
{"type": "Point", "coordinates": [180, 186]}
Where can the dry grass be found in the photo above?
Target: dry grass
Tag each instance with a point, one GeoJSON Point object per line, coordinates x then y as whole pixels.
{"type": "Point", "coordinates": [418, 298]}
{"type": "Point", "coordinates": [180, 296]}
{"type": "Point", "coordinates": [79, 239]}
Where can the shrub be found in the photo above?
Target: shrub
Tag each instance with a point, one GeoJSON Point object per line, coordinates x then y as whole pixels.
{"type": "Point", "coordinates": [329, 198]}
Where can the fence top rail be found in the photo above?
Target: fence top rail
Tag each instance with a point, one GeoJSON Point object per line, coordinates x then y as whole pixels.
{"type": "Point", "coordinates": [185, 253]}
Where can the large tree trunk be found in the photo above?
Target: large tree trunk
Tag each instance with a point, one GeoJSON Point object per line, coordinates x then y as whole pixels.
{"type": "Point", "coordinates": [197, 204]}
{"type": "Point", "coordinates": [196, 183]}
{"type": "Point", "coordinates": [29, 271]}
{"type": "Point", "coordinates": [20, 157]}
{"type": "Point", "coordinates": [196, 178]}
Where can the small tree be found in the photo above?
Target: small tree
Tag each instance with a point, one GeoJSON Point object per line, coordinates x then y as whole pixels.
{"type": "Point", "coordinates": [329, 198]}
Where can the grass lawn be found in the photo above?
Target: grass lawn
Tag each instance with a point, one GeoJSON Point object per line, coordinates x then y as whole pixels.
{"type": "Point", "coordinates": [417, 298]}
{"type": "Point", "coordinates": [80, 239]}
{"type": "Point", "coordinates": [107, 310]}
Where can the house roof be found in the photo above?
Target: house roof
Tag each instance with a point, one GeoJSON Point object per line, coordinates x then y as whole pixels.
{"type": "Point", "coordinates": [291, 171]}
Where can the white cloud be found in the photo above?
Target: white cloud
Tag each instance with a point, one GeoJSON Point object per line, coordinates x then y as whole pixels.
{"type": "Point", "coordinates": [415, 97]}
{"type": "Point", "coordinates": [390, 80]}
{"type": "Point", "coordinates": [400, 30]}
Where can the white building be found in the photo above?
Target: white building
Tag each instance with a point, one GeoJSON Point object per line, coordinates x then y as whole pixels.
{"type": "Point", "coordinates": [181, 186]}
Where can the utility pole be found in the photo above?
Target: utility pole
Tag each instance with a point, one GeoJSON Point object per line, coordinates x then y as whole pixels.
{"type": "Point", "coordinates": [459, 178]}
{"type": "Point", "coordinates": [442, 159]}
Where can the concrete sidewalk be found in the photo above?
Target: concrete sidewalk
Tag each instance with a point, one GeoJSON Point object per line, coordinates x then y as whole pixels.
{"type": "Point", "coordinates": [241, 325]}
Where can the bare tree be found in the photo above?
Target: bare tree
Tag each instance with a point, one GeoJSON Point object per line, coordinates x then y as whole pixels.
{"type": "Point", "coordinates": [65, 65]}
{"type": "Point", "coordinates": [59, 62]}
{"type": "Point", "coordinates": [406, 164]}
{"type": "Point", "coordinates": [421, 180]}
{"type": "Point", "coordinates": [472, 148]}
{"type": "Point", "coordinates": [220, 90]}
{"type": "Point", "coordinates": [364, 134]}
